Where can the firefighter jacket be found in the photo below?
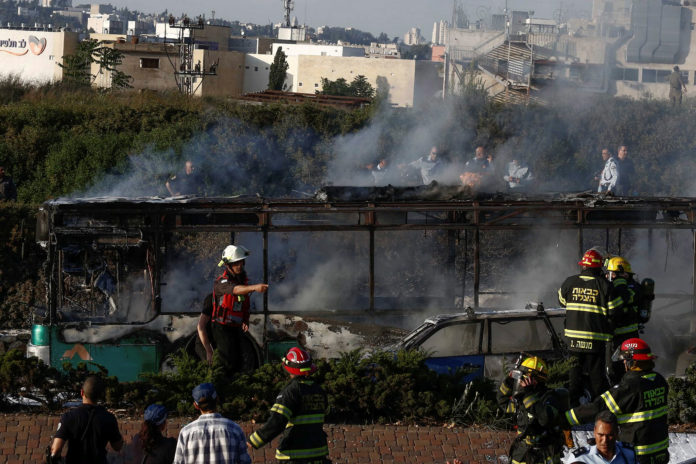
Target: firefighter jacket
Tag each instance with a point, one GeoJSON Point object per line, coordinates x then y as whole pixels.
{"type": "Point", "coordinates": [538, 419]}
{"type": "Point", "coordinates": [229, 309]}
{"type": "Point", "coordinates": [590, 301]}
{"type": "Point", "coordinates": [626, 319]}
{"type": "Point", "coordinates": [639, 402]}
{"type": "Point", "coordinates": [298, 412]}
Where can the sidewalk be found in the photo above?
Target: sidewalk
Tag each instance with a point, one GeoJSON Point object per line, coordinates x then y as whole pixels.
{"type": "Point", "coordinates": [25, 437]}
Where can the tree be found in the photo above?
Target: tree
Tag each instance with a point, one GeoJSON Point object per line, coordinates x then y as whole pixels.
{"type": "Point", "coordinates": [360, 87]}
{"type": "Point", "coordinates": [77, 67]}
{"type": "Point", "coordinates": [276, 76]}
{"type": "Point", "coordinates": [418, 52]}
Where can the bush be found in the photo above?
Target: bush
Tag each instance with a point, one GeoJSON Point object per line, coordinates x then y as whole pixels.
{"type": "Point", "coordinates": [681, 402]}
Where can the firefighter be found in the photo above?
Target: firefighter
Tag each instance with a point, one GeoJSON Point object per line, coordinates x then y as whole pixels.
{"type": "Point", "coordinates": [538, 411]}
{"type": "Point", "coordinates": [298, 412]}
{"type": "Point", "coordinates": [590, 301]}
{"type": "Point", "coordinates": [626, 321]}
{"type": "Point", "coordinates": [229, 312]}
{"type": "Point", "coordinates": [639, 402]}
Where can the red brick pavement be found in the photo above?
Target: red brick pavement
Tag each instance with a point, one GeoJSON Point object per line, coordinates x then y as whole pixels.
{"type": "Point", "coordinates": [23, 439]}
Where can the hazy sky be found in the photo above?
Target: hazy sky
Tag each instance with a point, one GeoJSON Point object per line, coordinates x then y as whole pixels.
{"type": "Point", "coordinates": [395, 17]}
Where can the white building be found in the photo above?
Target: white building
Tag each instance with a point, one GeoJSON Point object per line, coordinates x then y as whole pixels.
{"type": "Point", "coordinates": [34, 56]}
{"type": "Point", "coordinates": [318, 50]}
{"type": "Point", "coordinates": [386, 50]}
{"type": "Point", "coordinates": [105, 24]}
{"type": "Point", "coordinates": [296, 33]}
{"type": "Point", "coordinates": [440, 32]}
{"type": "Point", "coordinates": [414, 37]}
{"type": "Point", "coordinates": [410, 82]}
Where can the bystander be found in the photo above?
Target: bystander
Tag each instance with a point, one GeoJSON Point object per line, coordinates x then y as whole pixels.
{"type": "Point", "coordinates": [8, 191]}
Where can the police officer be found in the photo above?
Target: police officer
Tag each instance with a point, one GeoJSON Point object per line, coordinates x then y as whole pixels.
{"type": "Point", "coordinates": [299, 413]}
{"type": "Point", "coordinates": [590, 301]}
{"type": "Point", "coordinates": [229, 312]}
{"type": "Point", "coordinates": [639, 402]}
{"type": "Point", "coordinates": [605, 448]}
{"type": "Point", "coordinates": [538, 410]}
{"type": "Point", "coordinates": [626, 320]}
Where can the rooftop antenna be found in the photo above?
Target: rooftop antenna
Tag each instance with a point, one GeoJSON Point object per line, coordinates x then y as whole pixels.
{"type": "Point", "coordinates": [288, 5]}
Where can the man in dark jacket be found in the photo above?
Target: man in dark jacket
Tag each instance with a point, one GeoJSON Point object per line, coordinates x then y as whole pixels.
{"type": "Point", "coordinates": [538, 413]}
{"type": "Point", "coordinates": [639, 402]}
{"type": "Point", "coordinates": [87, 428]}
{"type": "Point", "coordinates": [627, 173]}
{"type": "Point", "coordinates": [298, 412]}
{"type": "Point", "coordinates": [590, 301]}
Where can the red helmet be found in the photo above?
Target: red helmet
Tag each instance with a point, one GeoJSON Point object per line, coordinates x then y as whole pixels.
{"type": "Point", "coordinates": [591, 258]}
{"type": "Point", "coordinates": [298, 362]}
{"type": "Point", "coordinates": [633, 349]}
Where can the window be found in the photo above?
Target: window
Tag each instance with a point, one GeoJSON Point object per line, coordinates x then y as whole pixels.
{"type": "Point", "coordinates": [316, 85]}
{"type": "Point", "coordinates": [663, 75]}
{"type": "Point", "coordinates": [299, 84]}
{"type": "Point", "coordinates": [625, 74]}
{"type": "Point", "coordinates": [454, 340]}
{"type": "Point", "coordinates": [246, 67]}
{"type": "Point", "coordinates": [649, 75]}
{"type": "Point", "coordinates": [256, 68]}
{"type": "Point", "coordinates": [509, 336]}
{"type": "Point", "coordinates": [149, 63]}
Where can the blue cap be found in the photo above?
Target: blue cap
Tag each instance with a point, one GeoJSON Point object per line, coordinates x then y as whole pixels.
{"type": "Point", "coordinates": [156, 413]}
{"type": "Point", "coordinates": [204, 392]}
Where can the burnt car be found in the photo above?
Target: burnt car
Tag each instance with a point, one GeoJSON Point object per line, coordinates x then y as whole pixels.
{"type": "Point", "coordinates": [486, 343]}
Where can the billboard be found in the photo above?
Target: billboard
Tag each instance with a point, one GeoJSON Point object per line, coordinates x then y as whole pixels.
{"type": "Point", "coordinates": [33, 56]}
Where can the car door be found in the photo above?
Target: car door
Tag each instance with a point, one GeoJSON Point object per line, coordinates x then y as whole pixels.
{"type": "Point", "coordinates": [454, 346]}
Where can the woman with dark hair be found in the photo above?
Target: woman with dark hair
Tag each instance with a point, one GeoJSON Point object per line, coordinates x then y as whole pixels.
{"type": "Point", "coordinates": [150, 445]}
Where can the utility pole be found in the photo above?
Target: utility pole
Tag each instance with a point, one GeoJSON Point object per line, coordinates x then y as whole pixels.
{"type": "Point", "coordinates": [188, 72]}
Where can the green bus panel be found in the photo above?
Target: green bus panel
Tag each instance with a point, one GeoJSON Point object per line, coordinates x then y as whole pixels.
{"type": "Point", "coordinates": [125, 359]}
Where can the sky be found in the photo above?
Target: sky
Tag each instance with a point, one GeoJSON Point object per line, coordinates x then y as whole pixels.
{"type": "Point", "coordinates": [395, 17]}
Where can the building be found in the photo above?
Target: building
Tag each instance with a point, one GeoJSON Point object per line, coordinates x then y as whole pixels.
{"type": "Point", "coordinates": [414, 37]}
{"type": "Point", "coordinates": [410, 82]}
{"type": "Point", "coordinates": [105, 24]}
{"type": "Point", "coordinates": [292, 49]}
{"type": "Point", "coordinates": [152, 66]}
{"type": "Point", "coordinates": [35, 56]}
{"type": "Point", "coordinates": [440, 30]}
{"type": "Point", "coordinates": [211, 37]}
{"type": "Point", "coordinates": [387, 50]}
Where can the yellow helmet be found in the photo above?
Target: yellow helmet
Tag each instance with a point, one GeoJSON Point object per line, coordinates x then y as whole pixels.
{"type": "Point", "coordinates": [536, 366]}
{"type": "Point", "coordinates": [619, 264]}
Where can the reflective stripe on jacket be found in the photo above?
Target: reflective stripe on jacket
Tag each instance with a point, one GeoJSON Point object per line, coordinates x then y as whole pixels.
{"type": "Point", "coordinates": [299, 414]}
{"type": "Point", "coordinates": [639, 402]}
{"type": "Point", "coordinates": [590, 301]}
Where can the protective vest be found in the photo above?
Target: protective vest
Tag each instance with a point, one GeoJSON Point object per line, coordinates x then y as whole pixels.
{"type": "Point", "coordinates": [298, 412]}
{"type": "Point", "coordinates": [639, 402]}
{"type": "Point", "coordinates": [228, 309]}
{"type": "Point", "coordinates": [590, 301]}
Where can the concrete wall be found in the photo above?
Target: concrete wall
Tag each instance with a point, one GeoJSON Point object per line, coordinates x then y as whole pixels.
{"type": "Point", "coordinates": [34, 56]}
{"type": "Point", "coordinates": [229, 80]}
{"type": "Point", "coordinates": [318, 50]}
{"type": "Point", "coordinates": [400, 74]}
{"type": "Point", "coordinates": [257, 69]}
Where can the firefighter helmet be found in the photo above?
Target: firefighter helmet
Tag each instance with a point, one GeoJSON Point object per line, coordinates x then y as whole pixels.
{"type": "Point", "coordinates": [633, 349]}
{"type": "Point", "coordinates": [591, 259]}
{"type": "Point", "coordinates": [535, 366]}
{"type": "Point", "coordinates": [298, 362]}
{"type": "Point", "coordinates": [232, 254]}
{"type": "Point", "coordinates": [619, 264]}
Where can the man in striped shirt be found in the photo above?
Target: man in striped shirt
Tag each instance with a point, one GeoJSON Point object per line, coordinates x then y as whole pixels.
{"type": "Point", "coordinates": [211, 439]}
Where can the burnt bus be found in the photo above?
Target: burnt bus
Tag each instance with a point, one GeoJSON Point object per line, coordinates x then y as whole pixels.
{"type": "Point", "coordinates": [117, 297]}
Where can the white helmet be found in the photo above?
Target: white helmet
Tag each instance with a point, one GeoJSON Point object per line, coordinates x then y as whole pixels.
{"type": "Point", "coordinates": [232, 254]}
